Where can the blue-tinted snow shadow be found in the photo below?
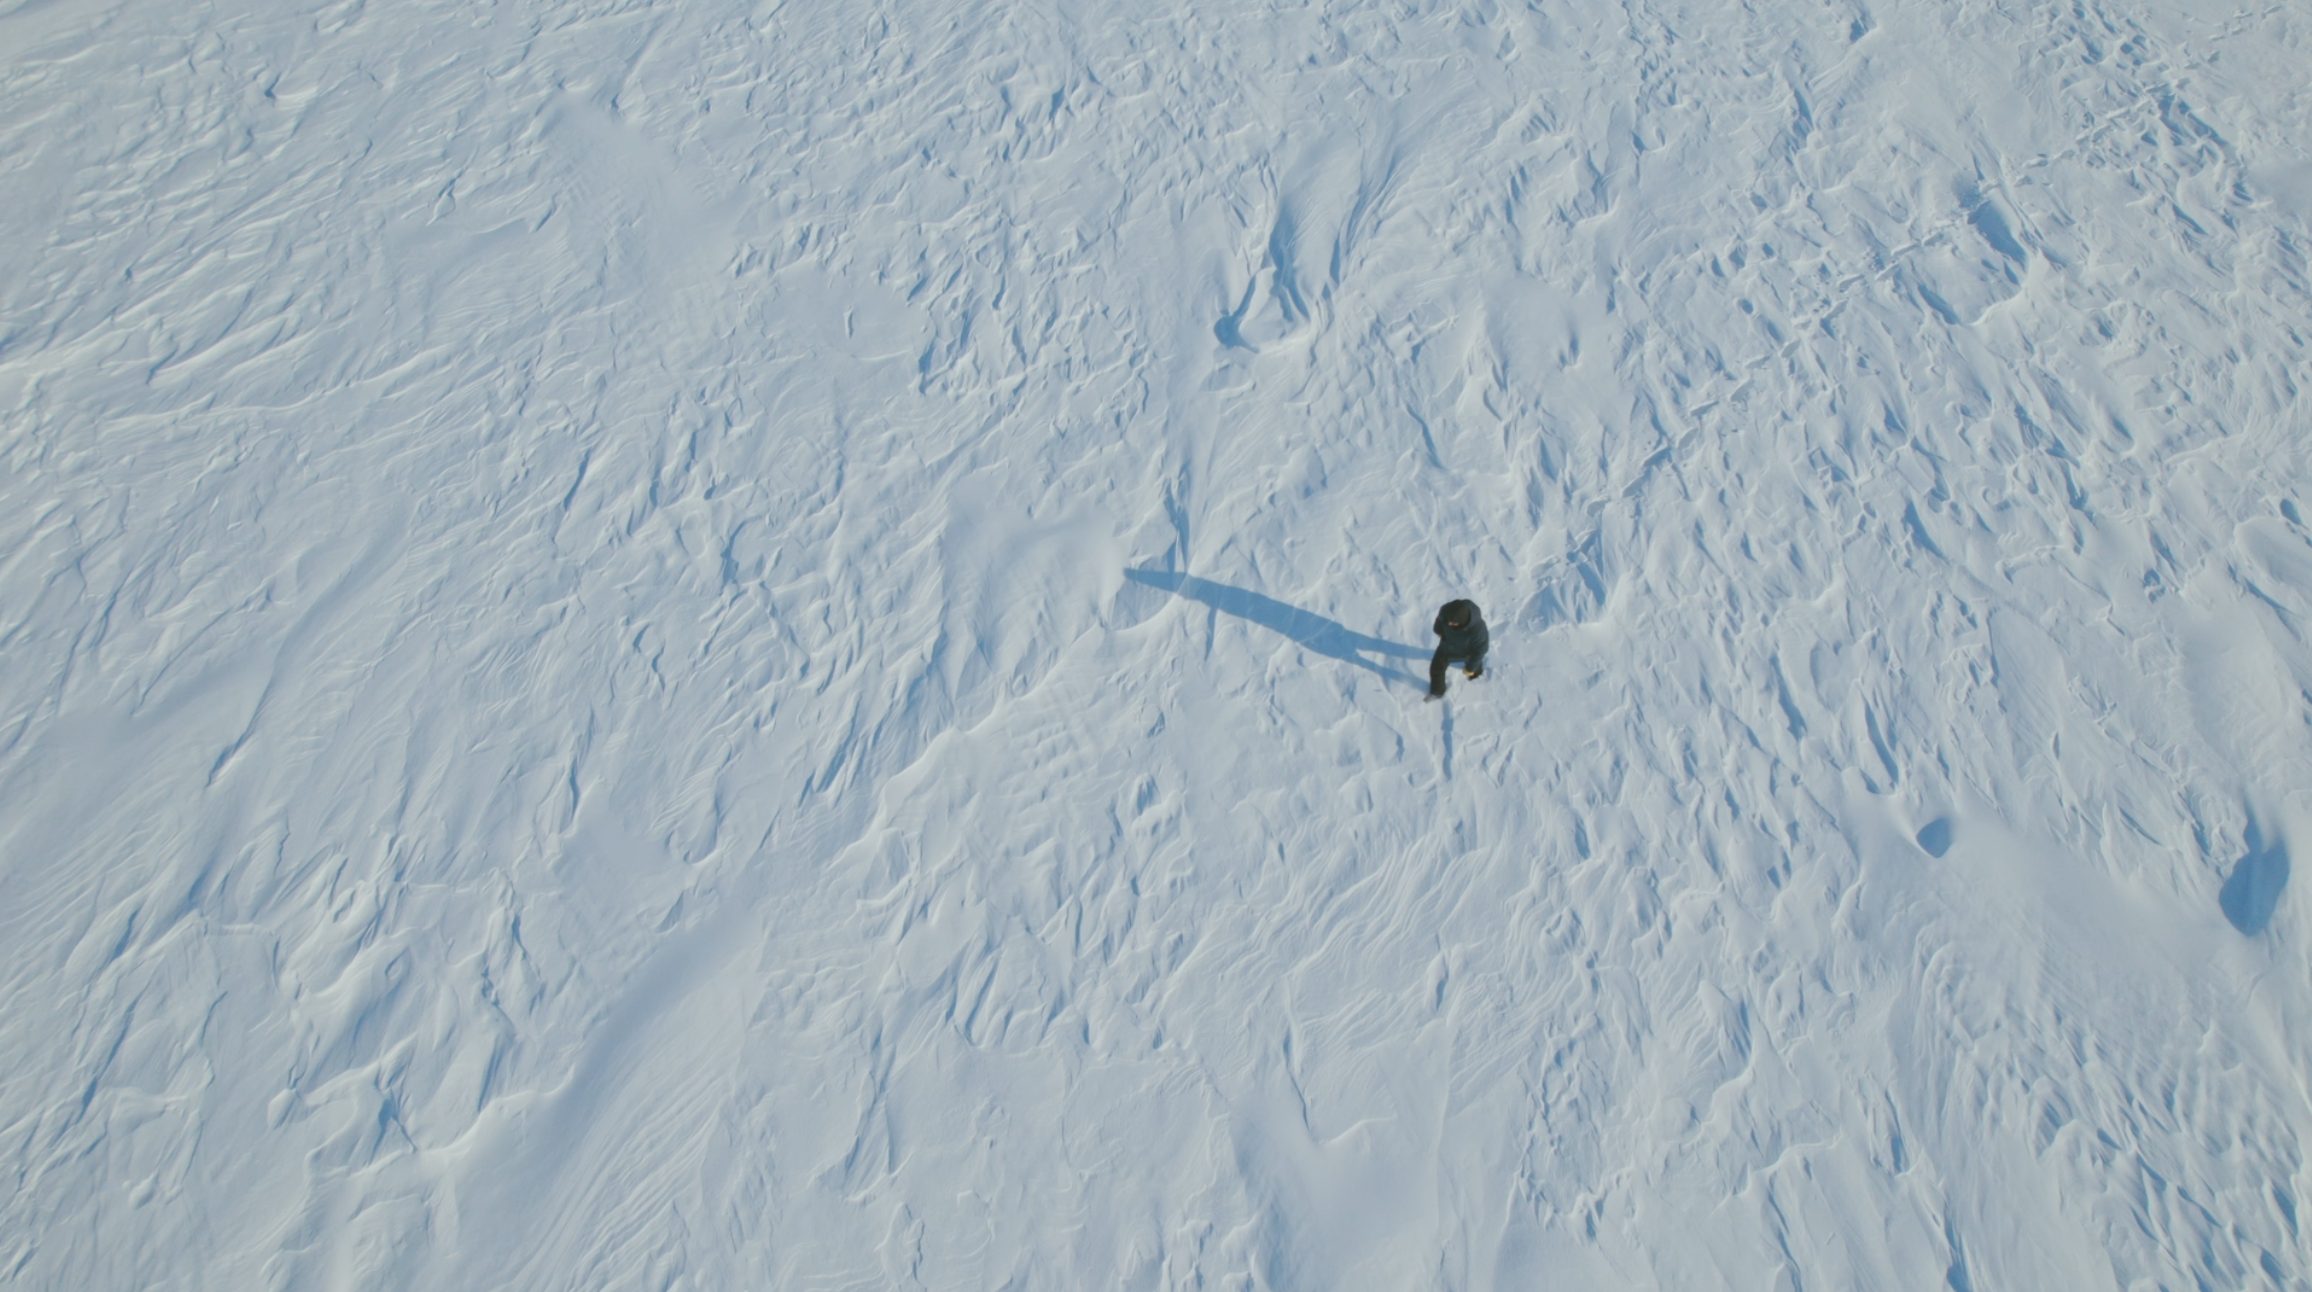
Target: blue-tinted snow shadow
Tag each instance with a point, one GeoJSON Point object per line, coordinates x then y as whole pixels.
{"type": "Point", "coordinates": [1313, 631]}
{"type": "Point", "coordinates": [2253, 892]}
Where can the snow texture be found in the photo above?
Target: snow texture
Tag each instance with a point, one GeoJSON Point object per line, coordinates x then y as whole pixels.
{"type": "Point", "coordinates": [781, 645]}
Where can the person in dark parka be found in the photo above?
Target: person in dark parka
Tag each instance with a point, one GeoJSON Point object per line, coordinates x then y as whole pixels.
{"type": "Point", "coordinates": [1461, 638]}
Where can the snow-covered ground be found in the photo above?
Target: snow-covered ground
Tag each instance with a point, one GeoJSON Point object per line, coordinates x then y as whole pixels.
{"type": "Point", "coordinates": [781, 646]}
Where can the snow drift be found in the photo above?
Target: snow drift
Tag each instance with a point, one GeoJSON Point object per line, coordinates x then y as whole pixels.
{"type": "Point", "coordinates": [778, 646]}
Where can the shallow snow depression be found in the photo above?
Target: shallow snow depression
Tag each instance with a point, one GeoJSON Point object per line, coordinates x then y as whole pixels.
{"type": "Point", "coordinates": [718, 646]}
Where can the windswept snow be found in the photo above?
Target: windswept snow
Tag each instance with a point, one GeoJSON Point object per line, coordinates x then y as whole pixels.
{"type": "Point", "coordinates": [700, 646]}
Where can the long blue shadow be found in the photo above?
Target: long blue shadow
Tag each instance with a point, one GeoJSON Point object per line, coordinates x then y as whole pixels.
{"type": "Point", "coordinates": [2253, 892]}
{"type": "Point", "coordinates": [1313, 631]}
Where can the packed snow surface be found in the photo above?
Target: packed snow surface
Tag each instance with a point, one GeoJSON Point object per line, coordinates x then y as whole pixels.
{"type": "Point", "coordinates": [782, 646]}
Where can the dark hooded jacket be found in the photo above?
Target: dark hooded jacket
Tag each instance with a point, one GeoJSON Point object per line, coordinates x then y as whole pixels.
{"type": "Point", "coordinates": [1466, 642]}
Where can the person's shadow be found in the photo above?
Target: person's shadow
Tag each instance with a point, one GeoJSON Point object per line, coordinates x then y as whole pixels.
{"type": "Point", "coordinates": [1313, 631]}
